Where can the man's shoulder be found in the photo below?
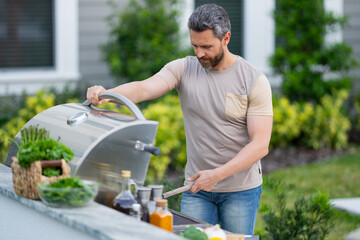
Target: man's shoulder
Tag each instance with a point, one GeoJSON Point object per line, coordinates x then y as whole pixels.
{"type": "Point", "coordinates": [247, 66]}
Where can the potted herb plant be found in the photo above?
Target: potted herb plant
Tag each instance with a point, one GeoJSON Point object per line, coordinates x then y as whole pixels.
{"type": "Point", "coordinates": [40, 159]}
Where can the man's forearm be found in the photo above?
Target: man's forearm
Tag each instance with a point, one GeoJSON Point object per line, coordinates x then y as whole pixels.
{"type": "Point", "coordinates": [133, 91]}
{"type": "Point", "coordinates": [251, 153]}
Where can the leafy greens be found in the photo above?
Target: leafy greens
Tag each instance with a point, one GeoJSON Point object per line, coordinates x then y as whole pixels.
{"type": "Point", "coordinates": [46, 149]}
{"type": "Point", "coordinates": [66, 192]}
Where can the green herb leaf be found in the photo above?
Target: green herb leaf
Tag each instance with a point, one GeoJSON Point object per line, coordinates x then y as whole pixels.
{"type": "Point", "coordinates": [67, 195]}
{"type": "Point", "coordinates": [46, 149]}
{"type": "Point", "coordinates": [51, 171]}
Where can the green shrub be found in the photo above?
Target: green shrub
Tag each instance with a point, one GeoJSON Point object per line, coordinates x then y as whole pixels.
{"type": "Point", "coordinates": [170, 137]}
{"type": "Point", "coordinates": [33, 105]}
{"type": "Point", "coordinates": [10, 105]}
{"type": "Point", "coordinates": [285, 123]}
{"type": "Point", "coordinates": [324, 125]}
{"type": "Point", "coordinates": [357, 108]}
{"type": "Point", "coordinates": [144, 37]}
{"type": "Point", "coordinates": [302, 56]}
{"type": "Point", "coordinates": [329, 126]}
{"type": "Point", "coordinates": [308, 219]}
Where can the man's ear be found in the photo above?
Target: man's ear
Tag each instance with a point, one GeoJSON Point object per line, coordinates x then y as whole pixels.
{"type": "Point", "coordinates": [226, 38]}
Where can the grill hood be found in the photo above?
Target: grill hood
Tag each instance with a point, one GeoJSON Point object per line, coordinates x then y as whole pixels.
{"type": "Point", "coordinates": [104, 142]}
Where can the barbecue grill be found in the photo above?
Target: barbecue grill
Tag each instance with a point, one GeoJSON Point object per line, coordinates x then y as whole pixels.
{"type": "Point", "coordinates": [104, 142]}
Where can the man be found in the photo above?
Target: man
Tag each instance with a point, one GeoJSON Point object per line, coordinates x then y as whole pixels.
{"type": "Point", "coordinates": [227, 110]}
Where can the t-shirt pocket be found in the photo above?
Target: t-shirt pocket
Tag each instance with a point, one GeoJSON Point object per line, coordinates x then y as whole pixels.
{"type": "Point", "coordinates": [236, 105]}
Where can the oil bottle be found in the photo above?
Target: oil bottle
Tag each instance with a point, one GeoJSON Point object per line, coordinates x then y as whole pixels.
{"type": "Point", "coordinates": [124, 201]}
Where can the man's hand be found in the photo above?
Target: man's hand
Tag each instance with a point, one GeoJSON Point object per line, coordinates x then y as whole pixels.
{"type": "Point", "coordinates": [205, 180]}
{"type": "Point", "coordinates": [93, 95]}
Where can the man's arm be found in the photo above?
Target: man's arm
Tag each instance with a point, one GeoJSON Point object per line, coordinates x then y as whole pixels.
{"type": "Point", "coordinates": [147, 89]}
{"type": "Point", "coordinates": [259, 129]}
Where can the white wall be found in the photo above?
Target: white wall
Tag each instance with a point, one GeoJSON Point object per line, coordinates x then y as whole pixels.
{"type": "Point", "coordinates": [259, 35]}
{"type": "Point", "coordinates": [337, 7]}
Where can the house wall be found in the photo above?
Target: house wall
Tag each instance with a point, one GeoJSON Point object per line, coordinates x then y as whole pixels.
{"type": "Point", "coordinates": [93, 32]}
{"type": "Point", "coordinates": [351, 34]}
{"type": "Point", "coordinates": [65, 70]}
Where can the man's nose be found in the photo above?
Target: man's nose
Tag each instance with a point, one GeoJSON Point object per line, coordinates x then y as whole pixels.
{"type": "Point", "coordinates": [199, 53]}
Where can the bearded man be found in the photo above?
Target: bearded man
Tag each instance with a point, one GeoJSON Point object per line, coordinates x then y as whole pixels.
{"type": "Point", "coordinates": [227, 108]}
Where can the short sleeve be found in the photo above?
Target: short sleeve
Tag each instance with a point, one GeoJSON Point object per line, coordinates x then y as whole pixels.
{"type": "Point", "coordinates": [172, 72]}
{"type": "Point", "coordinates": [260, 99]}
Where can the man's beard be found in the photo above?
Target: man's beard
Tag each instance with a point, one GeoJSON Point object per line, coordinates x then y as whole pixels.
{"type": "Point", "coordinates": [213, 62]}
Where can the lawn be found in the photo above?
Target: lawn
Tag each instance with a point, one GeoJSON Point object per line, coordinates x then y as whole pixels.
{"type": "Point", "coordinates": [339, 177]}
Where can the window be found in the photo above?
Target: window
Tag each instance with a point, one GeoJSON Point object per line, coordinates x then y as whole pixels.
{"type": "Point", "coordinates": [46, 49]}
{"type": "Point", "coordinates": [26, 34]}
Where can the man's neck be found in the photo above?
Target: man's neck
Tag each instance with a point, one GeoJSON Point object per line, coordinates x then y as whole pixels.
{"type": "Point", "coordinates": [228, 60]}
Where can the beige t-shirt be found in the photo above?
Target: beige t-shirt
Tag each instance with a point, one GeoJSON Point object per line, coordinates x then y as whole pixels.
{"type": "Point", "coordinates": [215, 105]}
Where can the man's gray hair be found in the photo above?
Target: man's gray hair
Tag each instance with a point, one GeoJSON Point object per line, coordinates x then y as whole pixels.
{"type": "Point", "coordinates": [210, 16]}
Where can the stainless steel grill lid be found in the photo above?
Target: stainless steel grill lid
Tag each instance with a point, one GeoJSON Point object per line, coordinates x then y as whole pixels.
{"type": "Point", "coordinates": [104, 142]}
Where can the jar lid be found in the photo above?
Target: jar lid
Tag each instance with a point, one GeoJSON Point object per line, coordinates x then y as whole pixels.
{"type": "Point", "coordinates": [126, 173]}
{"type": "Point", "coordinates": [161, 202]}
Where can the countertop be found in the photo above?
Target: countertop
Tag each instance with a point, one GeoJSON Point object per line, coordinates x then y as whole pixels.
{"type": "Point", "coordinates": [95, 220]}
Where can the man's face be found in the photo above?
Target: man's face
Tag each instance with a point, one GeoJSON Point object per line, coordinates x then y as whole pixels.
{"type": "Point", "coordinates": [208, 49]}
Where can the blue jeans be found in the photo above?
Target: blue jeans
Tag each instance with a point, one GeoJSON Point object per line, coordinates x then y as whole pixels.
{"type": "Point", "coordinates": [235, 211]}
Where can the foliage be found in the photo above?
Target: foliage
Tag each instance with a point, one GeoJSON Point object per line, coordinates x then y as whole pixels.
{"type": "Point", "coordinates": [192, 233]}
{"type": "Point", "coordinates": [66, 191]}
{"type": "Point", "coordinates": [47, 149]}
{"type": "Point", "coordinates": [51, 171]}
{"type": "Point", "coordinates": [68, 94]}
{"type": "Point", "coordinates": [357, 107]}
{"type": "Point", "coordinates": [309, 218]}
{"type": "Point", "coordinates": [170, 137]}
{"type": "Point", "coordinates": [170, 183]}
{"type": "Point", "coordinates": [329, 125]}
{"type": "Point", "coordinates": [302, 56]}
{"type": "Point", "coordinates": [37, 145]}
{"type": "Point", "coordinates": [33, 105]}
{"type": "Point", "coordinates": [338, 176]}
{"type": "Point", "coordinates": [144, 37]}
{"type": "Point", "coordinates": [33, 134]}
{"type": "Point", "coordinates": [324, 125]}
{"type": "Point", "coordinates": [10, 105]}
{"type": "Point", "coordinates": [285, 122]}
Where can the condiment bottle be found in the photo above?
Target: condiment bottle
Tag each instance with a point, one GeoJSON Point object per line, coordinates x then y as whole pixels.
{"type": "Point", "coordinates": [161, 217]}
{"type": "Point", "coordinates": [124, 201]}
{"type": "Point", "coordinates": [136, 211]}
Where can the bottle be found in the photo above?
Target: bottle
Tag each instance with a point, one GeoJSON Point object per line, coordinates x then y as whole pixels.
{"type": "Point", "coordinates": [124, 201]}
{"type": "Point", "coordinates": [162, 217]}
{"type": "Point", "coordinates": [136, 211]}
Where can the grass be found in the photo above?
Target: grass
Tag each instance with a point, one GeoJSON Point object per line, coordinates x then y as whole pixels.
{"type": "Point", "coordinates": [339, 177]}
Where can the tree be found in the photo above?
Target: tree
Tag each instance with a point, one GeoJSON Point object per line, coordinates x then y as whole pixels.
{"type": "Point", "coordinates": [144, 37]}
{"type": "Point", "coordinates": [302, 56]}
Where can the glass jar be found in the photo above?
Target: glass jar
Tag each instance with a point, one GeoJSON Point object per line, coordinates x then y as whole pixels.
{"type": "Point", "coordinates": [162, 217]}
